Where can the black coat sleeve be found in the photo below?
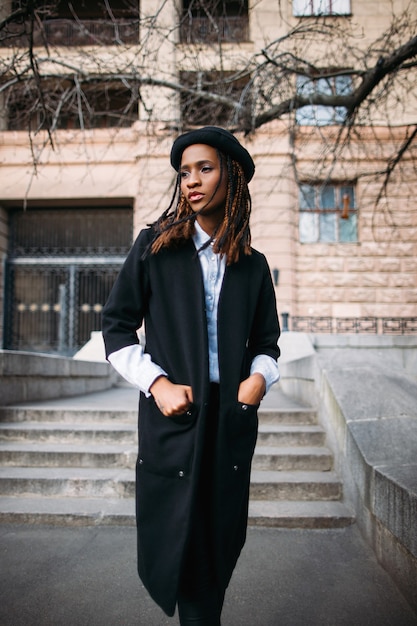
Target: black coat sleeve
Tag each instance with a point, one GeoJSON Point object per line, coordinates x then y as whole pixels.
{"type": "Point", "coordinates": [126, 306]}
{"type": "Point", "coordinates": [265, 330]}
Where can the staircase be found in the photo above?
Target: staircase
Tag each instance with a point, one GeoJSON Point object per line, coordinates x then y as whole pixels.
{"type": "Point", "coordinates": [293, 484]}
{"type": "Point", "coordinates": [71, 461]}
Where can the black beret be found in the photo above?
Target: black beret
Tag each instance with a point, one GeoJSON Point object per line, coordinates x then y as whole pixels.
{"type": "Point", "coordinates": [217, 138]}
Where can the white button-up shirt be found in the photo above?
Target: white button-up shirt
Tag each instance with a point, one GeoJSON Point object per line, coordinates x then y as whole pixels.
{"type": "Point", "coordinates": [137, 367]}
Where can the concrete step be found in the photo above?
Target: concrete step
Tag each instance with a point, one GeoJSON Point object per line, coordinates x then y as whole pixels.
{"type": "Point", "coordinates": [63, 415]}
{"type": "Point", "coordinates": [289, 435]}
{"type": "Point", "coordinates": [69, 432]}
{"type": "Point", "coordinates": [68, 511]}
{"type": "Point", "coordinates": [118, 482]}
{"type": "Point", "coordinates": [23, 454]}
{"type": "Point", "coordinates": [291, 514]}
{"type": "Point", "coordinates": [121, 511]}
{"type": "Point", "coordinates": [71, 461]}
{"type": "Point", "coordinates": [67, 481]}
{"type": "Point", "coordinates": [43, 413]}
{"type": "Point", "coordinates": [52, 454]}
{"type": "Point", "coordinates": [292, 458]}
{"type": "Point", "coordinates": [118, 432]}
{"type": "Point", "coordinates": [287, 416]}
{"type": "Point", "coordinates": [275, 485]}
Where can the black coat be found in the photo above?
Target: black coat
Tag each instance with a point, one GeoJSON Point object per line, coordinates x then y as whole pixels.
{"type": "Point", "coordinates": [166, 291]}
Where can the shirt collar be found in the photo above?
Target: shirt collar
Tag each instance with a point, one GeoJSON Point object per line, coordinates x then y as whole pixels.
{"type": "Point", "coordinates": [200, 237]}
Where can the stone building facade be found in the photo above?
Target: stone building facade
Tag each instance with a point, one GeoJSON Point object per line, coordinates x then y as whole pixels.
{"type": "Point", "coordinates": [326, 267]}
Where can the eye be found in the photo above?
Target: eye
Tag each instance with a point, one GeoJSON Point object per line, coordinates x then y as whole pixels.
{"type": "Point", "coordinates": [183, 174]}
{"type": "Point", "coordinates": [206, 168]}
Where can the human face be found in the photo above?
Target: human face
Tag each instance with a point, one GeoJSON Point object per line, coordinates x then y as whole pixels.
{"type": "Point", "coordinates": [203, 183]}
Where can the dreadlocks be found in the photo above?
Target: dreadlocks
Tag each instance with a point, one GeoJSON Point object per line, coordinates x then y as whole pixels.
{"type": "Point", "coordinates": [233, 234]}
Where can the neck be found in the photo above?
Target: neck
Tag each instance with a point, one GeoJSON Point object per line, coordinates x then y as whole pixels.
{"type": "Point", "coordinates": [209, 223]}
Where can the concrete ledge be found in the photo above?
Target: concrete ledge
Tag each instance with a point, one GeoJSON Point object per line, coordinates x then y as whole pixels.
{"type": "Point", "coordinates": [27, 376]}
{"type": "Point", "coordinates": [298, 367]}
{"type": "Point", "coordinates": [397, 351]}
{"type": "Point", "coordinates": [395, 503]}
{"type": "Point", "coordinates": [365, 389]}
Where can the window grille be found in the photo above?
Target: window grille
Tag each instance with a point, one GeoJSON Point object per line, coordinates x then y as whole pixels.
{"type": "Point", "coordinates": [328, 214]}
{"type": "Point", "coordinates": [96, 105]}
{"type": "Point", "coordinates": [213, 21]}
{"type": "Point", "coordinates": [79, 23]}
{"type": "Point", "coordinates": [74, 231]}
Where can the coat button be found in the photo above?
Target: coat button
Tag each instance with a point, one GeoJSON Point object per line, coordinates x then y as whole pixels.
{"type": "Point", "coordinates": [140, 461]}
{"type": "Point", "coordinates": [181, 474]}
{"type": "Point", "coordinates": [244, 407]}
{"type": "Point", "coordinates": [235, 467]}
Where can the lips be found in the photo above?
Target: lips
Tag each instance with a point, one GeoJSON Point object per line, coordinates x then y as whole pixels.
{"type": "Point", "coordinates": [195, 196]}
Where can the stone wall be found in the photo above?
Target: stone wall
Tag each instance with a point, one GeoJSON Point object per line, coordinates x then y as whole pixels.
{"type": "Point", "coordinates": [25, 377]}
{"type": "Point", "coordinates": [366, 395]}
{"type": "Point", "coordinates": [377, 276]}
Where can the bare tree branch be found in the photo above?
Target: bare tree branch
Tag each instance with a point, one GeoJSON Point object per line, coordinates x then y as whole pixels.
{"type": "Point", "coordinates": [41, 87]}
{"type": "Point", "coordinates": [384, 66]}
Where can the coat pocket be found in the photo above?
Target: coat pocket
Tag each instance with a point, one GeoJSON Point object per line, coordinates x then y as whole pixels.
{"type": "Point", "coordinates": [166, 444]}
{"type": "Point", "coordinates": [242, 428]}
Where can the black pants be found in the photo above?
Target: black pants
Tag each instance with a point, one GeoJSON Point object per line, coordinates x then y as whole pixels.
{"type": "Point", "coordinates": [200, 600]}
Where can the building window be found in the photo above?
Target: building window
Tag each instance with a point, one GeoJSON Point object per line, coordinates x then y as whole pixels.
{"type": "Point", "coordinates": [76, 23]}
{"type": "Point", "coordinates": [85, 231]}
{"type": "Point", "coordinates": [212, 21]}
{"type": "Point", "coordinates": [197, 110]}
{"type": "Point", "coordinates": [322, 114]}
{"type": "Point", "coordinates": [66, 106]}
{"type": "Point", "coordinates": [328, 214]}
{"type": "Point", "coordinates": [306, 8]}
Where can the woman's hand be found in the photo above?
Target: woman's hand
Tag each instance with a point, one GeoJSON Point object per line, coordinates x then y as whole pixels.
{"type": "Point", "coordinates": [252, 389]}
{"type": "Point", "coordinates": [171, 399]}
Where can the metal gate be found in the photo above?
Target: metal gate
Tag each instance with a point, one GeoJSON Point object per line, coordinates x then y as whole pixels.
{"type": "Point", "coordinates": [54, 307]}
{"type": "Point", "coordinates": [54, 301]}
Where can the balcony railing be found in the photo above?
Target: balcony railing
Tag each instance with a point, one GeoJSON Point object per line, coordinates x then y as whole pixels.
{"type": "Point", "coordinates": [367, 325]}
{"type": "Point", "coordinates": [71, 32]}
{"type": "Point", "coordinates": [67, 32]}
{"type": "Point", "coordinates": [224, 29]}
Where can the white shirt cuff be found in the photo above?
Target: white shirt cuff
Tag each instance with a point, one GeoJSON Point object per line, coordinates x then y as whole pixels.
{"type": "Point", "coordinates": [268, 367]}
{"type": "Point", "coordinates": [136, 366]}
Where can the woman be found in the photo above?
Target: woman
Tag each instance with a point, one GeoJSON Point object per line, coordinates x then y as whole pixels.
{"type": "Point", "coordinates": [208, 304]}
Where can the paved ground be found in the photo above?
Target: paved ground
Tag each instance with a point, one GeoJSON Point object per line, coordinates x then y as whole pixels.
{"type": "Point", "coordinates": [53, 576]}
{"type": "Point", "coordinates": [86, 576]}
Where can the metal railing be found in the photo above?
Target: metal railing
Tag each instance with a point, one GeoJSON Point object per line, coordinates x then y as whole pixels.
{"type": "Point", "coordinates": [99, 32]}
{"type": "Point", "coordinates": [71, 32]}
{"type": "Point", "coordinates": [366, 325]}
{"type": "Point", "coordinates": [224, 29]}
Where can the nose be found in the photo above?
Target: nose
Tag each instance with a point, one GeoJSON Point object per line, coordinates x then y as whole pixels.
{"type": "Point", "coordinates": [193, 178]}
